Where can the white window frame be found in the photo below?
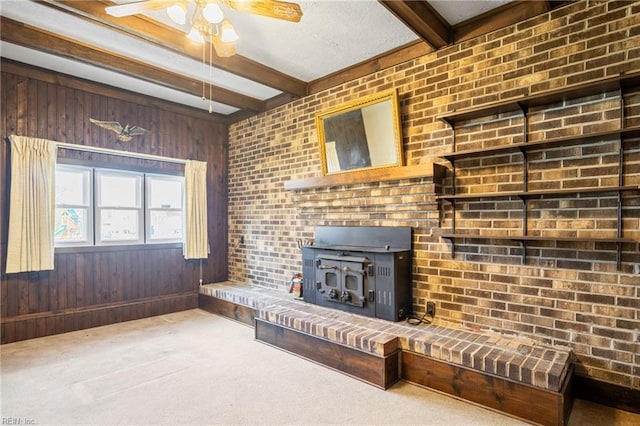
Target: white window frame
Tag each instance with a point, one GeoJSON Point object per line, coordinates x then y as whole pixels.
{"type": "Point", "coordinates": [92, 186]}
{"type": "Point", "coordinates": [138, 208]}
{"type": "Point", "coordinates": [88, 196]}
{"type": "Point", "coordinates": [149, 209]}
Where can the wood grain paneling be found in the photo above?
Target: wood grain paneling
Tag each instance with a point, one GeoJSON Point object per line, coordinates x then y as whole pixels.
{"type": "Point", "coordinates": [378, 371]}
{"type": "Point", "coordinates": [609, 394]}
{"type": "Point", "coordinates": [242, 314]}
{"type": "Point", "coordinates": [102, 286]}
{"type": "Point", "coordinates": [538, 405]}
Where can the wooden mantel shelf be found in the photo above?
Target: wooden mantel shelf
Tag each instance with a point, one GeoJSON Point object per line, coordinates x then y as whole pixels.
{"type": "Point", "coordinates": [361, 176]}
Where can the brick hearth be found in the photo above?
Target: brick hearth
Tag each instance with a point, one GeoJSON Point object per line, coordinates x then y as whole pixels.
{"type": "Point", "coordinates": [512, 357]}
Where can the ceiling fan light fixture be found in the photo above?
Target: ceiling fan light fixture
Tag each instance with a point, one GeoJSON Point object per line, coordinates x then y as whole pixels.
{"type": "Point", "coordinates": [228, 34]}
{"type": "Point", "coordinates": [212, 13]}
{"type": "Point", "coordinates": [178, 13]}
{"type": "Point", "coordinates": [195, 35]}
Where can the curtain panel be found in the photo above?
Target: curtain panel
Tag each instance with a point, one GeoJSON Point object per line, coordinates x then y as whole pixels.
{"type": "Point", "coordinates": [196, 239]}
{"type": "Point", "coordinates": [31, 205]}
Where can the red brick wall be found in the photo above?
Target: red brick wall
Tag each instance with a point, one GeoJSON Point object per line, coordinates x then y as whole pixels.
{"type": "Point", "coordinates": [566, 293]}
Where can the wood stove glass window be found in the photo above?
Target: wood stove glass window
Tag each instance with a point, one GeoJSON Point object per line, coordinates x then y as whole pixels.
{"type": "Point", "coordinates": [351, 282]}
{"type": "Point", "coordinates": [331, 279]}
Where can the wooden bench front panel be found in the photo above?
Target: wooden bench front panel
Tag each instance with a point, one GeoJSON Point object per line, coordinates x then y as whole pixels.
{"type": "Point", "coordinates": [379, 371]}
{"type": "Point", "coordinates": [520, 400]}
{"type": "Point", "coordinates": [230, 310]}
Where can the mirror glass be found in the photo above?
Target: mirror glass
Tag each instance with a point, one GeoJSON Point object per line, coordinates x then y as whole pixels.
{"type": "Point", "coordinates": [365, 133]}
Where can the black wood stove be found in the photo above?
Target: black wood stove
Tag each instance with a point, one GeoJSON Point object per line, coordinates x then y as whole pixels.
{"type": "Point", "coordinates": [364, 270]}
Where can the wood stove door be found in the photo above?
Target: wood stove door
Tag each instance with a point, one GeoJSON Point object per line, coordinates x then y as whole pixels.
{"type": "Point", "coordinates": [353, 282]}
{"type": "Point", "coordinates": [345, 284]}
{"type": "Point", "coordinates": [329, 279]}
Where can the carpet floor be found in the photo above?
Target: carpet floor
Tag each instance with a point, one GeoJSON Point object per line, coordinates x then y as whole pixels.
{"type": "Point", "coordinates": [195, 368]}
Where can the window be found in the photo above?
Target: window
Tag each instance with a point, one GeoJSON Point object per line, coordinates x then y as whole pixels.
{"type": "Point", "coordinates": [99, 207]}
{"type": "Point", "coordinates": [73, 215]}
{"type": "Point", "coordinates": [119, 207]}
{"type": "Point", "coordinates": [164, 208]}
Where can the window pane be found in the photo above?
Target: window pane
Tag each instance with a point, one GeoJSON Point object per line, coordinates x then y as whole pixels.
{"type": "Point", "coordinates": [119, 190]}
{"type": "Point", "coordinates": [126, 203]}
{"type": "Point", "coordinates": [165, 225]}
{"type": "Point", "coordinates": [72, 186]}
{"type": "Point", "coordinates": [71, 225]}
{"type": "Point", "coordinates": [118, 225]}
{"type": "Point", "coordinates": [164, 193]}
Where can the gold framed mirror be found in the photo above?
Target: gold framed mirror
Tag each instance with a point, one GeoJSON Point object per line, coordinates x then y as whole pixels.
{"type": "Point", "coordinates": [361, 134]}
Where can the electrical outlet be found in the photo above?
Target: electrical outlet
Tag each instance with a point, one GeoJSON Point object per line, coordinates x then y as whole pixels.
{"type": "Point", "coordinates": [431, 309]}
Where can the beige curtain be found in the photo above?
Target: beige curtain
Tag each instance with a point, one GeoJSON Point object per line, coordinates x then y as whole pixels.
{"type": "Point", "coordinates": [32, 204]}
{"type": "Point", "coordinates": [196, 245]}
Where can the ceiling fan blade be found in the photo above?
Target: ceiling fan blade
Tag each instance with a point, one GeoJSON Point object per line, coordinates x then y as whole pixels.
{"type": "Point", "coordinates": [127, 9]}
{"type": "Point", "coordinates": [271, 8]}
{"type": "Point", "coordinates": [223, 50]}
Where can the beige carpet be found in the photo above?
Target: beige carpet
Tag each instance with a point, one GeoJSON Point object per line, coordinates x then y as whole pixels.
{"type": "Point", "coordinates": [197, 368]}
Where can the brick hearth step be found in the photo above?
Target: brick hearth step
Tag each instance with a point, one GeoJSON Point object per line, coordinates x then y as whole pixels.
{"type": "Point", "coordinates": [512, 374]}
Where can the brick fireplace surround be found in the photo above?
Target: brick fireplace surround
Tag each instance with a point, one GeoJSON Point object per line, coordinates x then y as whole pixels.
{"type": "Point", "coordinates": [511, 374]}
{"type": "Point", "coordinates": [565, 294]}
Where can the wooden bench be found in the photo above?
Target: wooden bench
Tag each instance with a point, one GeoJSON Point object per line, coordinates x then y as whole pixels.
{"type": "Point", "coordinates": [515, 375]}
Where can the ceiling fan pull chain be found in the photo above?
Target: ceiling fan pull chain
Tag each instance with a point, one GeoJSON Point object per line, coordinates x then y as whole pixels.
{"type": "Point", "coordinates": [204, 70]}
{"type": "Point", "coordinates": [210, 74]}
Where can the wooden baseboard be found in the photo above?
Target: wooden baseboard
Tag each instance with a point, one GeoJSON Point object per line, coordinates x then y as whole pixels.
{"type": "Point", "coordinates": [42, 324]}
{"type": "Point", "coordinates": [517, 399]}
{"type": "Point", "coordinates": [378, 371]}
{"type": "Point", "coordinates": [609, 394]}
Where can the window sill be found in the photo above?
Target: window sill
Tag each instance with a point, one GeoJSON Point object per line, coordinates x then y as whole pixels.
{"type": "Point", "coordinates": [112, 248]}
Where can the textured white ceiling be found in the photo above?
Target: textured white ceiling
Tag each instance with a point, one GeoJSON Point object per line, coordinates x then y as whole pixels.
{"type": "Point", "coordinates": [332, 35]}
{"type": "Point", "coordinates": [456, 11]}
{"type": "Point", "coordinates": [65, 24]}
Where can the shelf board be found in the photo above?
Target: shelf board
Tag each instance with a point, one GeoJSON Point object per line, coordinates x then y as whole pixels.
{"type": "Point", "coordinates": [548, 143]}
{"type": "Point", "coordinates": [552, 96]}
{"type": "Point", "coordinates": [536, 238]}
{"type": "Point", "coordinates": [381, 174]}
{"type": "Point", "coordinates": [537, 193]}
{"type": "Point", "coordinates": [505, 194]}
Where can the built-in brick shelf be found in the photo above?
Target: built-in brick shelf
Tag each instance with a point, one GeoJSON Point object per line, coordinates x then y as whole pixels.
{"type": "Point", "coordinates": [512, 374]}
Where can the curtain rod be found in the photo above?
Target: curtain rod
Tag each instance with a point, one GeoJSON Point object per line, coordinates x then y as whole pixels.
{"type": "Point", "coordinates": [130, 154]}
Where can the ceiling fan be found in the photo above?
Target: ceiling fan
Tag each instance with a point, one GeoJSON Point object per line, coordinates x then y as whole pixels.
{"type": "Point", "coordinates": [207, 18]}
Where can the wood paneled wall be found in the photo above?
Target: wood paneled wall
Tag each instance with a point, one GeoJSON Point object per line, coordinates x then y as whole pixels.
{"type": "Point", "coordinates": [102, 286]}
